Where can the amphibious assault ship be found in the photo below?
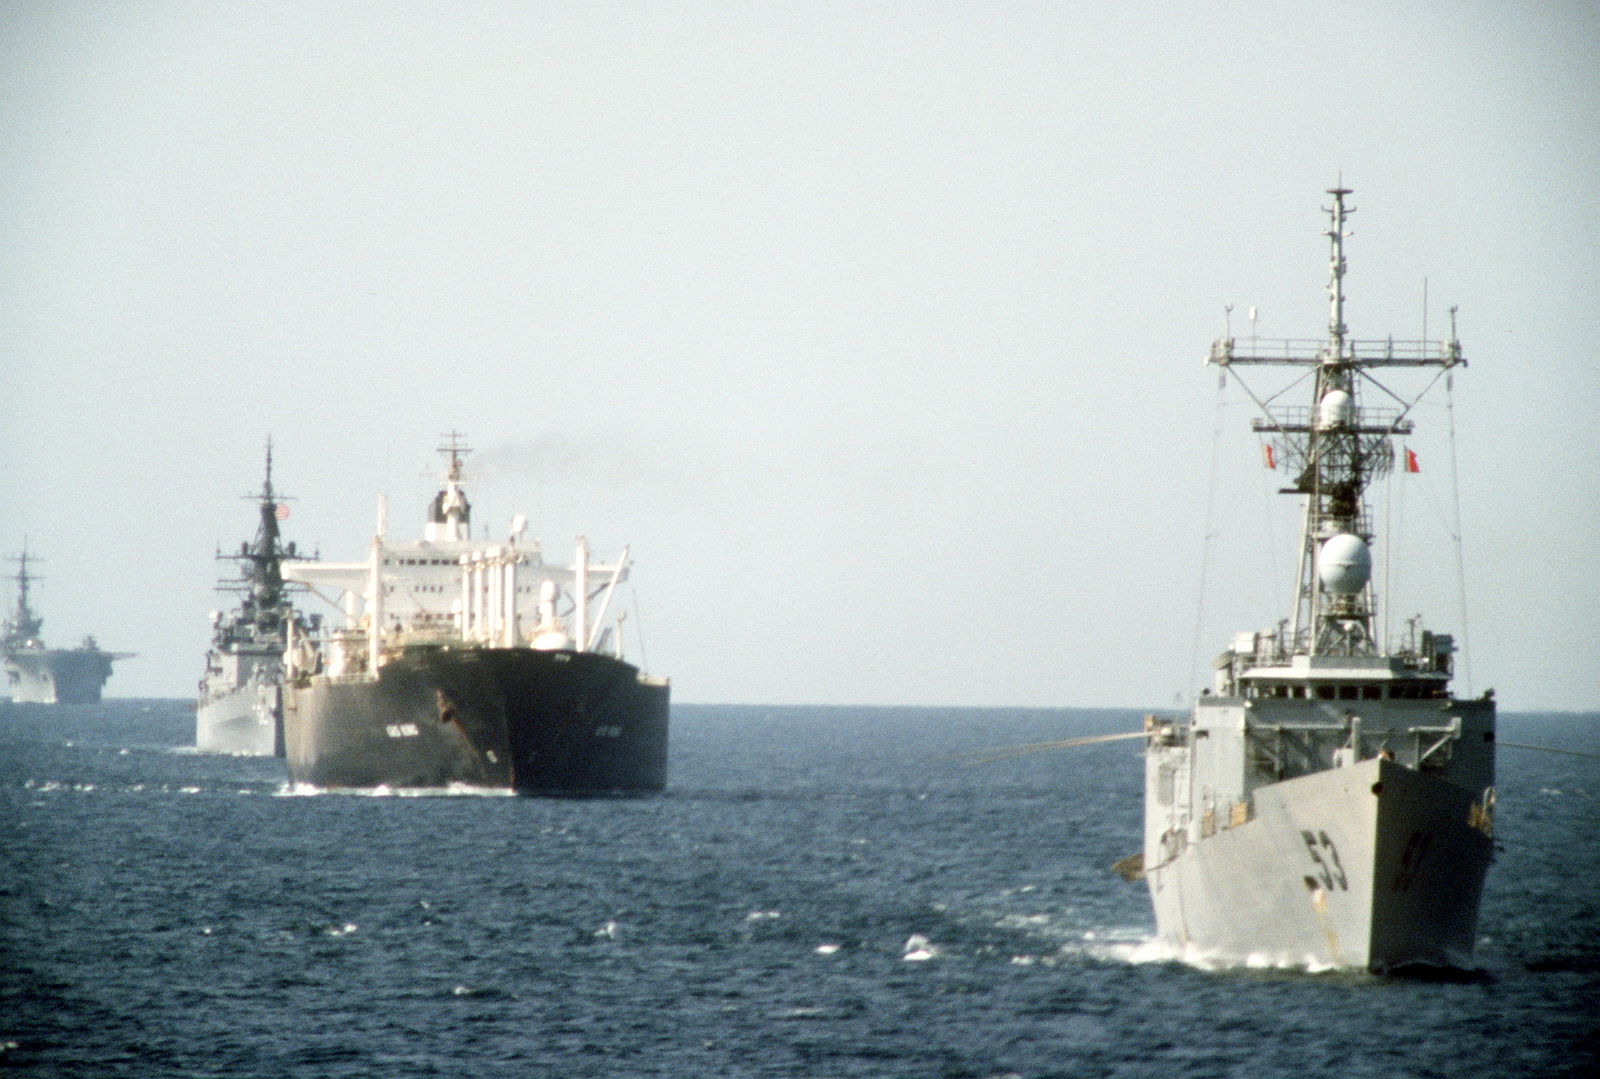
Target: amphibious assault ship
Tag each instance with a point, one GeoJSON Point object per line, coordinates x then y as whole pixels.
{"type": "Point", "coordinates": [240, 707]}
{"type": "Point", "coordinates": [1329, 802]}
{"type": "Point", "coordinates": [39, 675]}
{"type": "Point", "coordinates": [464, 662]}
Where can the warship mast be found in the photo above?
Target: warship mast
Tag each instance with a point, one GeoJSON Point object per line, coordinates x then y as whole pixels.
{"type": "Point", "coordinates": [23, 625]}
{"type": "Point", "coordinates": [1335, 448]}
{"type": "Point", "coordinates": [266, 557]}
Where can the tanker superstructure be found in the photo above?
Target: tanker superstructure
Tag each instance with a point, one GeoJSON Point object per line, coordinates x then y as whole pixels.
{"type": "Point", "coordinates": [1329, 802]}
{"type": "Point", "coordinates": [463, 662]}
{"type": "Point", "coordinates": [36, 674]}
{"type": "Point", "coordinates": [240, 705]}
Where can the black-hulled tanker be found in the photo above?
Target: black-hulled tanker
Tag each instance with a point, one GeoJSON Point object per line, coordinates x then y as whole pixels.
{"type": "Point", "coordinates": [465, 663]}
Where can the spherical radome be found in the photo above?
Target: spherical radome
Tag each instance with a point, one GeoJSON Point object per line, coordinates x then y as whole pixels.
{"type": "Point", "coordinates": [1344, 564]}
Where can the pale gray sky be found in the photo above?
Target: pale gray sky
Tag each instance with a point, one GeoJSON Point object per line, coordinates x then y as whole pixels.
{"type": "Point", "coordinates": [876, 329]}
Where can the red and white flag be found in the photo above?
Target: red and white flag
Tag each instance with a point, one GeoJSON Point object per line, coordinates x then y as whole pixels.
{"type": "Point", "coordinates": [282, 511]}
{"type": "Point", "coordinates": [1411, 461]}
{"type": "Point", "coordinates": [1266, 450]}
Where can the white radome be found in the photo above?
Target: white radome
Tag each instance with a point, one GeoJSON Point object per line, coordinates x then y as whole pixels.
{"type": "Point", "coordinates": [1337, 407]}
{"type": "Point", "coordinates": [1344, 564]}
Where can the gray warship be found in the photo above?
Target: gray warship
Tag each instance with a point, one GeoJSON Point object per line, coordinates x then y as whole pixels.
{"type": "Point", "coordinates": [1329, 803]}
{"type": "Point", "coordinates": [469, 663]}
{"type": "Point", "coordinates": [240, 705]}
{"type": "Point", "coordinates": [36, 674]}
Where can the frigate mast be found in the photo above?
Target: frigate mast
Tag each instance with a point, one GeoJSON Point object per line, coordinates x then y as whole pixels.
{"type": "Point", "coordinates": [1341, 621]}
{"type": "Point", "coordinates": [1335, 450]}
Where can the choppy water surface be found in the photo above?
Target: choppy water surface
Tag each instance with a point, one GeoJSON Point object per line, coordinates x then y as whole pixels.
{"type": "Point", "coordinates": [817, 895]}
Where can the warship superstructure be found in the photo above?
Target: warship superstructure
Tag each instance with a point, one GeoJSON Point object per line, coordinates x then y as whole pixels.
{"type": "Point", "coordinates": [469, 662]}
{"type": "Point", "coordinates": [1329, 802]}
{"type": "Point", "coordinates": [240, 705]}
{"type": "Point", "coordinates": [36, 674]}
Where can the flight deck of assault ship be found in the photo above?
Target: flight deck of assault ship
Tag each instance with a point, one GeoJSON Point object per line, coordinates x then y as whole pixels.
{"type": "Point", "coordinates": [1329, 802]}
{"type": "Point", "coordinates": [465, 662]}
{"type": "Point", "coordinates": [39, 675]}
{"type": "Point", "coordinates": [240, 706]}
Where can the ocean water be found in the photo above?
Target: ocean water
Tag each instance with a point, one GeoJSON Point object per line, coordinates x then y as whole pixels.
{"type": "Point", "coordinates": [818, 894]}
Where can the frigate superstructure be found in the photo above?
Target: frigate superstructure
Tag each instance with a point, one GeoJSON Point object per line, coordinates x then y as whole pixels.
{"type": "Point", "coordinates": [1328, 802]}
{"type": "Point", "coordinates": [240, 706]}
{"type": "Point", "coordinates": [464, 661]}
{"type": "Point", "coordinates": [36, 674]}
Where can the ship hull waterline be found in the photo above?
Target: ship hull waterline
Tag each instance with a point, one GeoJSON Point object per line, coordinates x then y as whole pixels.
{"type": "Point", "coordinates": [247, 722]}
{"type": "Point", "coordinates": [515, 719]}
{"type": "Point", "coordinates": [1371, 866]}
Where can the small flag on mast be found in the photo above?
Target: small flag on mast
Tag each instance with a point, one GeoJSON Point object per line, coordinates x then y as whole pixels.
{"type": "Point", "coordinates": [1411, 461]}
{"type": "Point", "coordinates": [1266, 450]}
{"type": "Point", "coordinates": [281, 512]}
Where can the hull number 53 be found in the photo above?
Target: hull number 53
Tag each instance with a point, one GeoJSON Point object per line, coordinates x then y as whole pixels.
{"type": "Point", "coordinates": [1325, 856]}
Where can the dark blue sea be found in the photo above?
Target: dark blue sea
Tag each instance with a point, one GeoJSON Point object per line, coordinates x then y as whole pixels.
{"type": "Point", "coordinates": [818, 894]}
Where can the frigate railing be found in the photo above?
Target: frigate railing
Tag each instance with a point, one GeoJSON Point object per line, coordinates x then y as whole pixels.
{"type": "Point", "coordinates": [1374, 352]}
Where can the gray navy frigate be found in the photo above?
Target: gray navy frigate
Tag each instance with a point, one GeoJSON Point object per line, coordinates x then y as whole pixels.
{"type": "Point", "coordinates": [1329, 802]}
{"type": "Point", "coordinates": [240, 705]}
{"type": "Point", "coordinates": [36, 674]}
